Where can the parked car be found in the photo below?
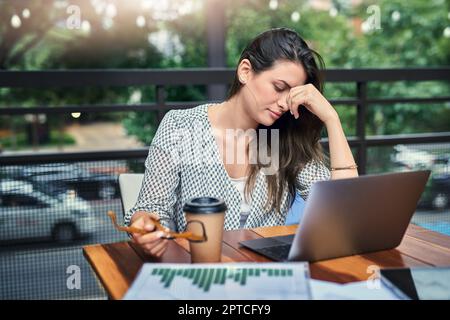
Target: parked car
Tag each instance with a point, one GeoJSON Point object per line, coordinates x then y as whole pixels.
{"type": "Point", "coordinates": [438, 196]}
{"type": "Point", "coordinates": [60, 177]}
{"type": "Point", "coordinates": [412, 158]}
{"type": "Point", "coordinates": [26, 213]}
{"type": "Point", "coordinates": [440, 191]}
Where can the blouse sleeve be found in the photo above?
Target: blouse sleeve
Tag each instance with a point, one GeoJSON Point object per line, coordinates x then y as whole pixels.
{"type": "Point", "coordinates": [312, 172]}
{"type": "Point", "coordinates": [161, 176]}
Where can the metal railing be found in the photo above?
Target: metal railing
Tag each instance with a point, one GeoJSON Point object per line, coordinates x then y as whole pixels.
{"type": "Point", "coordinates": [167, 77]}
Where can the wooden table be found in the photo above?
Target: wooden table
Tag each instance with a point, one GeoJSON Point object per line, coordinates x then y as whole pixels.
{"type": "Point", "coordinates": [117, 264]}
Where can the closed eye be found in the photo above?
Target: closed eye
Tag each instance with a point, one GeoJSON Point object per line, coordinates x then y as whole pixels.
{"type": "Point", "coordinates": [278, 89]}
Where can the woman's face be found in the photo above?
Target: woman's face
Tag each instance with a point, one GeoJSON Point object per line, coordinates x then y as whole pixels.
{"type": "Point", "coordinates": [264, 94]}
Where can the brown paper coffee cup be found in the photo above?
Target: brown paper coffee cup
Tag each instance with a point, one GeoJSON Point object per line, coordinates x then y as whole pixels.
{"type": "Point", "coordinates": [210, 212]}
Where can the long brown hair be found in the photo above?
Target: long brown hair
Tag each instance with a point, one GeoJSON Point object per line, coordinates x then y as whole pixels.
{"type": "Point", "coordinates": [298, 138]}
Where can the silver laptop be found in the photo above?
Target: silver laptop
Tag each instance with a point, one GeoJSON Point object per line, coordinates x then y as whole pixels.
{"type": "Point", "coordinates": [349, 216]}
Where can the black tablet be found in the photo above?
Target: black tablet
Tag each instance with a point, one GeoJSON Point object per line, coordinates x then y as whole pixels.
{"type": "Point", "coordinates": [418, 283]}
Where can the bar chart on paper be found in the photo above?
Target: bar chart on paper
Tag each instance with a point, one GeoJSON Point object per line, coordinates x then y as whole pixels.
{"type": "Point", "coordinates": [221, 281]}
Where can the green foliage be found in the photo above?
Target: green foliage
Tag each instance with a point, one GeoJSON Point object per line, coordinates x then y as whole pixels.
{"type": "Point", "coordinates": [415, 40]}
{"type": "Point", "coordinates": [22, 141]}
{"type": "Point", "coordinates": [411, 34]}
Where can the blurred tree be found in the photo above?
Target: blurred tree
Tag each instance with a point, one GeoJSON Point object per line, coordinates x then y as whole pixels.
{"type": "Point", "coordinates": [111, 34]}
{"type": "Point", "coordinates": [125, 35]}
{"type": "Point", "coordinates": [411, 34]}
{"type": "Point", "coordinates": [19, 32]}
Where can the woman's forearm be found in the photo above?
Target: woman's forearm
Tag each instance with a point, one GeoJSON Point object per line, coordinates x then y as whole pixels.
{"type": "Point", "coordinates": [340, 152]}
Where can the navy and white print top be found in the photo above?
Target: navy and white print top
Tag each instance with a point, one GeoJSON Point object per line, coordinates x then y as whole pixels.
{"type": "Point", "coordinates": [184, 162]}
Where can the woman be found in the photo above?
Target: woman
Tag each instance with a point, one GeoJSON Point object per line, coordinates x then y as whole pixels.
{"type": "Point", "coordinates": [277, 87]}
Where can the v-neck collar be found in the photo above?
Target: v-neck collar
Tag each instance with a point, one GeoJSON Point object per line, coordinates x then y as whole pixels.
{"type": "Point", "coordinates": [230, 184]}
{"type": "Point", "coordinates": [213, 140]}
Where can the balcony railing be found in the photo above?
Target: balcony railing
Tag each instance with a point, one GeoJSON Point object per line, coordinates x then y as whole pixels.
{"type": "Point", "coordinates": [163, 78]}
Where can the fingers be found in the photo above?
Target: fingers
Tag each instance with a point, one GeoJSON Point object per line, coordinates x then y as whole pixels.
{"type": "Point", "coordinates": [151, 242]}
{"type": "Point", "coordinates": [295, 99]}
{"type": "Point", "coordinates": [156, 250]}
{"type": "Point", "coordinates": [159, 249]}
{"type": "Point", "coordinates": [148, 238]}
{"type": "Point", "coordinates": [161, 253]}
{"type": "Point", "coordinates": [149, 225]}
{"type": "Point", "coordinates": [145, 220]}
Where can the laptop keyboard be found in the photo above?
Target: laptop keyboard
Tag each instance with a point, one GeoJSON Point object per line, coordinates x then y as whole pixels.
{"type": "Point", "coordinates": [278, 253]}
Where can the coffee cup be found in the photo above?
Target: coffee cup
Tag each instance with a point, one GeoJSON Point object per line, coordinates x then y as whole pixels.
{"type": "Point", "coordinates": [205, 215]}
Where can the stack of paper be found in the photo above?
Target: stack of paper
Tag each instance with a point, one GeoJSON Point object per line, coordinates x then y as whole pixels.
{"type": "Point", "coordinates": [361, 290]}
{"type": "Point", "coordinates": [237, 281]}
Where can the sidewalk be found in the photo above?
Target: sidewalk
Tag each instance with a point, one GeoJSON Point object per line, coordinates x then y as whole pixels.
{"type": "Point", "coordinates": [92, 137]}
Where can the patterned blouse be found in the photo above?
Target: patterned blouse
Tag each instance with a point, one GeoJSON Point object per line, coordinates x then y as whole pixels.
{"type": "Point", "coordinates": [184, 162]}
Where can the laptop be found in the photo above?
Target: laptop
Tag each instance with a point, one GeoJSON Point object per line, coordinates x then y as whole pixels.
{"type": "Point", "coordinates": [351, 216]}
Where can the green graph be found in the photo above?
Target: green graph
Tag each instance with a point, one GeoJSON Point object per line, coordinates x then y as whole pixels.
{"type": "Point", "coordinates": [203, 278]}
